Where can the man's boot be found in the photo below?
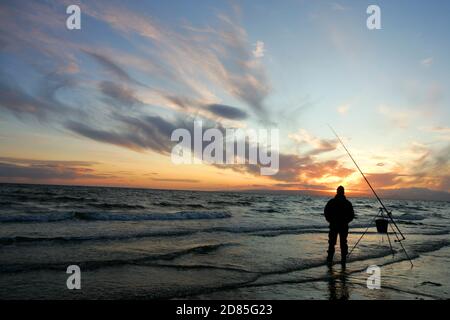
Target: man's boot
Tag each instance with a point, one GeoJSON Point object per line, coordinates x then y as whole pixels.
{"type": "Point", "coordinates": [343, 258]}
{"type": "Point", "coordinates": [330, 257]}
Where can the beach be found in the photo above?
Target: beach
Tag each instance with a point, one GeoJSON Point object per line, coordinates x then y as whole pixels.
{"type": "Point", "coordinates": [163, 244]}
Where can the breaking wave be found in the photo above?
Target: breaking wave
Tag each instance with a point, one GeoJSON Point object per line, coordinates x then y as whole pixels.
{"type": "Point", "coordinates": [108, 216]}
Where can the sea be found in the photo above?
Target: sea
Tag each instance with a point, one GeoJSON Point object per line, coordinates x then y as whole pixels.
{"type": "Point", "coordinates": [168, 244]}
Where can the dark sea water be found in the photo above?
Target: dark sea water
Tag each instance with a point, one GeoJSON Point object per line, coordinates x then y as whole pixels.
{"type": "Point", "coordinates": [143, 244]}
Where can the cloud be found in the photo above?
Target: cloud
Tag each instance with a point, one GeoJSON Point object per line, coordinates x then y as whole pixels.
{"type": "Point", "coordinates": [227, 112]}
{"type": "Point", "coordinates": [439, 129]}
{"type": "Point", "coordinates": [18, 169]}
{"type": "Point", "coordinates": [303, 169]}
{"type": "Point", "coordinates": [189, 64]}
{"type": "Point", "coordinates": [100, 135]}
{"type": "Point", "coordinates": [430, 169]}
{"type": "Point", "coordinates": [176, 180]}
{"type": "Point", "coordinates": [119, 95]}
{"type": "Point", "coordinates": [124, 20]}
{"type": "Point", "coordinates": [383, 180]}
{"type": "Point", "coordinates": [302, 186]}
{"type": "Point", "coordinates": [259, 49]}
{"type": "Point", "coordinates": [338, 7]}
{"type": "Point", "coordinates": [182, 102]}
{"type": "Point", "coordinates": [113, 68]}
{"type": "Point", "coordinates": [41, 105]}
{"type": "Point", "coordinates": [434, 161]}
{"type": "Point", "coordinates": [399, 119]}
{"type": "Point", "coordinates": [427, 62]}
{"type": "Point", "coordinates": [28, 27]}
{"type": "Point", "coordinates": [138, 134]}
{"type": "Point", "coordinates": [416, 193]}
{"type": "Point", "coordinates": [298, 169]}
{"type": "Point", "coordinates": [442, 132]}
{"type": "Point", "coordinates": [303, 138]}
{"type": "Point", "coordinates": [196, 58]}
{"type": "Point", "coordinates": [36, 162]}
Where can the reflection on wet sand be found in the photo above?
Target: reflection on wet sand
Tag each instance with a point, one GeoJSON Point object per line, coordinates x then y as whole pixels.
{"type": "Point", "coordinates": [337, 284]}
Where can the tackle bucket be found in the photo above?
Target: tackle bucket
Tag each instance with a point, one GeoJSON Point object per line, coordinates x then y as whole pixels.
{"type": "Point", "coordinates": [382, 225]}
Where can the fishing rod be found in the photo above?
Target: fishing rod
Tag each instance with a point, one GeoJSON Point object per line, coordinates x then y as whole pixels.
{"type": "Point", "coordinates": [383, 207]}
{"type": "Point", "coordinates": [389, 214]}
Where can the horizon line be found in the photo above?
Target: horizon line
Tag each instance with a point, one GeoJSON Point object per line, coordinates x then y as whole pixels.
{"type": "Point", "coordinates": [306, 192]}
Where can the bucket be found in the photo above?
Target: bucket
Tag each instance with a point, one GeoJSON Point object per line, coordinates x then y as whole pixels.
{"type": "Point", "coordinates": [382, 225]}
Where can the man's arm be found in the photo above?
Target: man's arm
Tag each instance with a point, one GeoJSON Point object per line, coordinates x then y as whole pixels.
{"type": "Point", "coordinates": [351, 212]}
{"type": "Point", "coordinates": [327, 211]}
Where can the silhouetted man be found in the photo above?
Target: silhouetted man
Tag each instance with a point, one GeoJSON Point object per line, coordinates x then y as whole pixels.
{"type": "Point", "coordinates": [338, 212]}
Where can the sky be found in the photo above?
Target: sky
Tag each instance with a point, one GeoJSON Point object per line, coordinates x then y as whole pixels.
{"type": "Point", "coordinates": [97, 106]}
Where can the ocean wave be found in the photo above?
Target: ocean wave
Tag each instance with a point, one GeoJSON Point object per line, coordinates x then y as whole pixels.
{"type": "Point", "coordinates": [253, 230]}
{"type": "Point", "coordinates": [96, 264]}
{"type": "Point", "coordinates": [410, 216]}
{"type": "Point", "coordinates": [70, 239]}
{"type": "Point", "coordinates": [36, 217]}
{"type": "Point", "coordinates": [181, 215]}
{"type": "Point", "coordinates": [403, 207]}
{"type": "Point", "coordinates": [269, 210]}
{"type": "Point", "coordinates": [107, 216]}
{"type": "Point", "coordinates": [166, 204]}
{"type": "Point", "coordinates": [105, 205]}
{"type": "Point", "coordinates": [172, 204]}
{"type": "Point", "coordinates": [230, 203]}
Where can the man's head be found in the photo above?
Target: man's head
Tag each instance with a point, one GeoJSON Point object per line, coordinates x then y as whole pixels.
{"type": "Point", "coordinates": [340, 191]}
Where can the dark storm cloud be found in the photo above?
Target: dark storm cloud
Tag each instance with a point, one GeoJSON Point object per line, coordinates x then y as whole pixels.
{"type": "Point", "coordinates": [227, 112]}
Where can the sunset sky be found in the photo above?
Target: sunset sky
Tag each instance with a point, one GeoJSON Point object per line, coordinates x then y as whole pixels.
{"type": "Point", "coordinates": [97, 106]}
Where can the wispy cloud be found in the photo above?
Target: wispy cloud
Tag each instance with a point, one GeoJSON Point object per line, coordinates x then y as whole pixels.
{"type": "Point", "coordinates": [338, 7]}
{"type": "Point", "coordinates": [442, 132]}
{"type": "Point", "coordinates": [317, 145]}
{"type": "Point", "coordinates": [399, 119]}
{"type": "Point", "coordinates": [119, 95]}
{"type": "Point", "coordinates": [43, 104]}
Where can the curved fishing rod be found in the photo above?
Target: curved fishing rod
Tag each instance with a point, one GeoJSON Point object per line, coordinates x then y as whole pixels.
{"type": "Point", "coordinates": [373, 190]}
